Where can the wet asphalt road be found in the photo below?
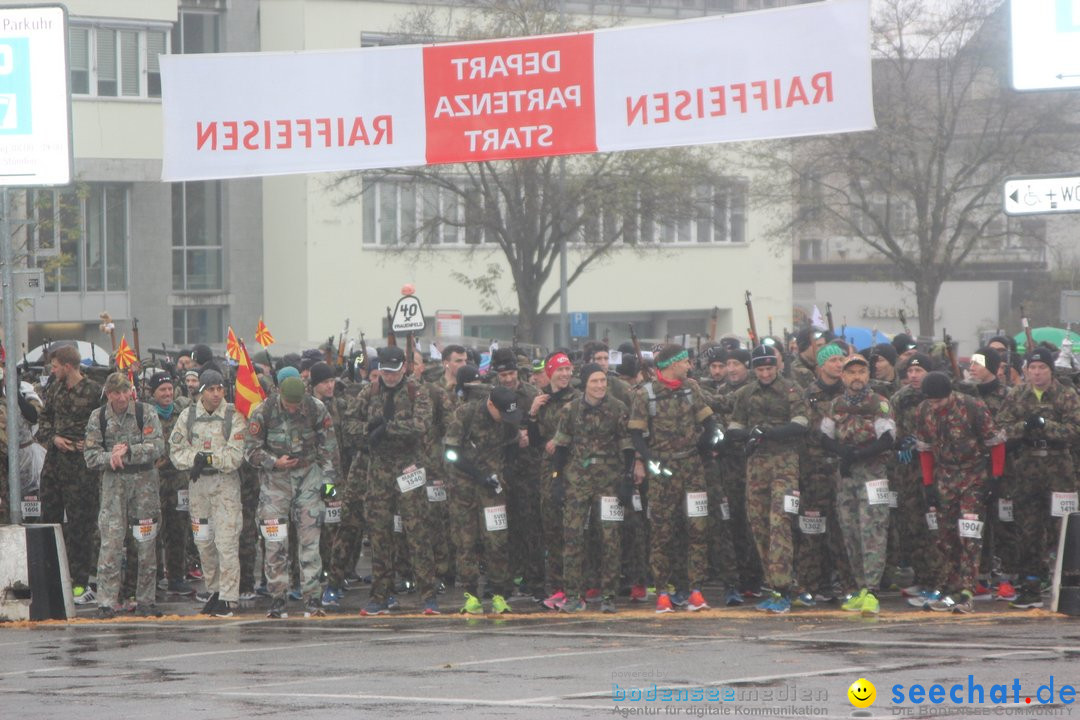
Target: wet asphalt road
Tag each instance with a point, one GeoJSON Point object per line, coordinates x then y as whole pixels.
{"type": "Point", "coordinates": [532, 664]}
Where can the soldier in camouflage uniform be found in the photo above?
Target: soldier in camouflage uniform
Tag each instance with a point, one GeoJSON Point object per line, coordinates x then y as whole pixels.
{"type": "Point", "coordinates": [804, 368]}
{"type": "Point", "coordinates": [29, 408]}
{"type": "Point", "coordinates": [820, 550]}
{"type": "Point", "coordinates": [397, 413]}
{"type": "Point", "coordinates": [771, 415]}
{"type": "Point", "coordinates": [438, 509]}
{"type": "Point", "coordinates": [1042, 417]}
{"type": "Point", "coordinates": [478, 431]}
{"type": "Point", "coordinates": [208, 440]}
{"type": "Point", "coordinates": [543, 422]}
{"type": "Point", "coordinates": [597, 351]}
{"type": "Point", "coordinates": [593, 457]}
{"type": "Point", "coordinates": [674, 412]}
{"type": "Point", "coordinates": [68, 488]}
{"type": "Point", "coordinates": [291, 440]}
{"type": "Point", "coordinates": [858, 427]}
{"type": "Point", "coordinates": [917, 539]}
{"type": "Point", "coordinates": [125, 454]}
{"type": "Point", "coordinates": [352, 493]}
{"type": "Point", "coordinates": [953, 434]}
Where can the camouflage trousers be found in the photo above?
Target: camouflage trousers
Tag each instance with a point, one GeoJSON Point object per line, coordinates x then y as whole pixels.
{"type": "Point", "coordinates": [523, 504]}
{"type": "Point", "coordinates": [249, 531]}
{"type": "Point", "coordinates": [347, 536]}
{"type": "Point", "coordinates": [733, 481]}
{"type": "Point", "coordinates": [676, 513]}
{"type": "Point", "coordinates": [384, 500]}
{"type": "Point", "coordinates": [1003, 536]}
{"type": "Point", "coordinates": [959, 538]}
{"type": "Point", "coordinates": [129, 504]}
{"type": "Point", "coordinates": [769, 478]}
{"type": "Point", "coordinates": [864, 523]}
{"type": "Point", "coordinates": [551, 518]}
{"type": "Point", "coordinates": [635, 542]}
{"type": "Point", "coordinates": [69, 488]}
{"type": "Point", "coordinates": [915, 535]}
{"type": "Point", "coordinates": [722, 561]}
{"type": "Point", "coordinates": [215, 500]}
{"type": "Point", "coordinates": [175, 525]}
{"type": "Point", "coordinates": [473, 527]}
{"type": "Point", "coordinates": [439, 523]}
{"type": "Point", "coordinates": [820, 551]}
{"type": "Point", "coordinates": [291, 497]}
{"type": "Point", "coordinates": [588, 492]}
{"type": "Point", "coordinates": [1038, 477]}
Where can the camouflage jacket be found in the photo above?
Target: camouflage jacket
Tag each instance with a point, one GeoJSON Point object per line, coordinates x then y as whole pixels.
{"type": "Point", "coordinates": [672, 417]}
{"type": "Point", "coordinates": [594, 432]}
{"type": "Point", "coordinates": [67, 410]}
{"type": "Point", "coordinates": [858, 424]}
{"type": "Point", "coordinates": [993, 394]}
{"type": "Point", "coordinates": [819, 398]}
{"type": "Point", "coordinates": [144, 446]}
{"type": "Point", "coordinates": [905, 403]}
{"type": "Point", "coordinates": [208, 436]}
{"type": "Point", "coordinates": [959, 433]}
{"type": "Point", "coordinates": [479, 437]}
{"type": "Point", "coordinates": [441, 409]}
{"type": "Point", "coordinates": [406, 409]}
{"type": "Point", "coordinates": [619, 389]}
{"type": "Point", "coordinates": [1059, 406]}
{"type": "Point", "coordinates": [802, 372]}
{"type": "Point", "coordinates": [307, 434]}
{"type": "Point", "coordinates": [547, 418]}
{"type": "Point", "coordinates": [777, 403]}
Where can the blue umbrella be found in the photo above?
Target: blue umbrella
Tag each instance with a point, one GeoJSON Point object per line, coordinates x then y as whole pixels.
{"type": "Point", "coordinates": [861, 337]}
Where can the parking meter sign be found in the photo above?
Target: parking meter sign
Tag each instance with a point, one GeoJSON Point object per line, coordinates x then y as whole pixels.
{"type": "Point", "coordinates": [408, 315]}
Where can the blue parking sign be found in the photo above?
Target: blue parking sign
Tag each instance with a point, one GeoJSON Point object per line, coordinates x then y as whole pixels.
{"type": "Point", "coordinates": [15, 107]}
{"type": "Point", "coordinates": [579, 325]}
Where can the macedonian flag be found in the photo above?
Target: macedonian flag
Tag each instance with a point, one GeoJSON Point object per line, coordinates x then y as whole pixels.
{"type": "Point", "coordinates": [232, 346]}
{"type": "Point", "coordinates": [262, 334]}
{"type": "Point", "coordinates": [125, 356]}
{"type": "Point", "coordinates": [249, 392]}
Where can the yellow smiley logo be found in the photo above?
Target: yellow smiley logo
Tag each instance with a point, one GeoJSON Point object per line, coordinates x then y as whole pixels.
{"type": "Point", "coordinates": [862, 693]}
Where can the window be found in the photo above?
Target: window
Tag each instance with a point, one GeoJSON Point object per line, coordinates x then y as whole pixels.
{"type": "Point", "coordinates": [196, 230]}
{"type": "Point", "coordinates": [92, 229]}
{"type": "Point", "coordinates": [405, 211]}
{"type": "Point", "coordinates": [198, 325]}
{"type": "Point", "coordinates": [891, 212]}
{"type": "Point", "coordinates": [116, 61]}
{"type": "Point", "coordinates": [198, 31]}
{"type": "Point", "coordinates": [811, 250]}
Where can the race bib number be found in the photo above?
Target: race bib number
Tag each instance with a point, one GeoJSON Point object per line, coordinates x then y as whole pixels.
{"type": "Point", "coordinates": [725, 510]}
{"type": "Point", "coordinates": [495, 518]}
{"type": "Point", "coordinates": [877, 491]}
{"type": "Point", "coordinates": [971, 527]}
{"type": "Point", "coordinates": [183, 501]}
{"type": "Point", "coordinates": [332, 514]}
{"type": "Point", "coordinates": [894, 499]}
{"type": "Point", "coordinates": [791, 504]}
{"type": "Point", "coordinates": [636, 502]}
{"type": "Point", "coordinates": [436, 494]}
{"type": "Point", "coordinates": [931, 521]}
{"type": "Point", "coordinates": [201, 530]}
{"type": "Point", "coordinates": [145, 530]}
{"type": "Point", "coordinates": [697, 504]}
{"type": "Point", "coordinates": [273, 529]}
{"type": "Point", "coordinates": [611, 510]}
{"type": "Point", "coordinates": [31, 507]}
{"type": "Point", "coordinates": [1005, 510]}
{"type": "Point", "coordinates": [399, 527]}
{"type": "Point", "coordinates": [1062, 503]}
{"type": "Point", "coordinates": [412, 478]}
{"type": "Point", "coordinates": [812, 523]}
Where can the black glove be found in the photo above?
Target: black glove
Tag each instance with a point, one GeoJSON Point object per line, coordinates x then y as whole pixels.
{"type": "Point", "coordinates": [492, 482]}
{"type": "Point", "coordinates": [845, 467]}
{"type": "Point", "coordinates": [754, 438]}
{"type": "Point", "coordinates": [992, 488]}
{"type": "Point", "coordinates": [200, 464]}
{"type": "Point", "coordinates": [1035, 422]}
{"type": "Point", "coordinates": [847, 452]}
{"type": "Point", "coordinates": [328, 491]}
{"type": "Point", "coordinates": [785, 431]}
{"type": "Point", "coordinates": [376, 429]}
{"type": "Point", "coordinates": [905, 450]}
{"type": "Point", "coordinates": [932, 497]}
{"type": "Point", "coordinates": [711, 435]}
{"type": "Point", "coordinates": [624, 490]}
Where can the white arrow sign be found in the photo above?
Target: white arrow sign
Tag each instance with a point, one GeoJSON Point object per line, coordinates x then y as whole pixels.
{"type": "Point", "coordinates": [1038, 195]}
{"type": "Point", "coordinates": [408, 315]}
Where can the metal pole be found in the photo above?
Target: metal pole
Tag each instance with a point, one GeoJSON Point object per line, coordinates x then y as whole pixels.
{"type": "Point", "coordinates": [564, 311]}
{"type": "Point", "coordinates": [11, 377]}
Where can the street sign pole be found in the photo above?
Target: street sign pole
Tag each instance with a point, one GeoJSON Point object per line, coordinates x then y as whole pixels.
{"type": "Point", "coordinates": [11, 377]}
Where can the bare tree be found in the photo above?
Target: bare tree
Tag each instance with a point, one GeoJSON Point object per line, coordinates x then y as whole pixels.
{"type": "Point", "coordinates": [924, 190]}
{"type": "Point", "coordinates": [526, 208]}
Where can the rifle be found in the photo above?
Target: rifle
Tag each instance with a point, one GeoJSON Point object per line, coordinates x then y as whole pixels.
{"type": "Point", "coordinates": [410, 349]}
{"type": "Point", "coordinates": [645, 372]}
{"type": "Point", "coordinates": [135, 337]}
{"type": "Point", "coordinates": [712, 323]}
{"type": "Point", "coordinates": [750, 315]}
{"type": "Point", "coordinates": [391, 338]}
{"type": "Point", "coordinates": [828, 318]}
{"type": "Point", "coordinates": [957, 377]}
{"type": "Point", "coordinates": [341, 344]}
{"type": "Point", "coordinates": [363, 351]}
{"type": "Point", "coordinates": [903, 321]}
{"type": "Point", "coordinates": [1027, 331]}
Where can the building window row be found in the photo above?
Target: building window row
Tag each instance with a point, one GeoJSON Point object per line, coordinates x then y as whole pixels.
{"type": "Point", "coordinates": [80, 237]}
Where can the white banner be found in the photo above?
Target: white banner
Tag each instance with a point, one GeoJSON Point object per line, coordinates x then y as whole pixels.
{"type": "Point", "coordinates": [747, 76]}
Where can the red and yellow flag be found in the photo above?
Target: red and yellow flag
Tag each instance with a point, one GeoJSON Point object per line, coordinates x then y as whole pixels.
{"type": "Point", "coordinates": [262, 334]}
{"type": "Point", "coordinates": [125, 356]}
{"type": "Point", "coordinates": [232, 346]}
{"type": "Point", "coordinates": [249, 393]}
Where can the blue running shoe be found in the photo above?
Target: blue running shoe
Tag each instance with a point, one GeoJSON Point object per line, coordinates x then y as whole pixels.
{"type": "Point", "coordinates": [780, 605]}
{"type": "Point", "coordinates": [296, 595]}
{"type": "Point", "coordinates": [331, 597]}
{"type": "Point", "coordinates": [680, 599]}
{"type": "Point", "coordinates": [733, 598]}
{"type": "Point", "coordinates": [766, 605]}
